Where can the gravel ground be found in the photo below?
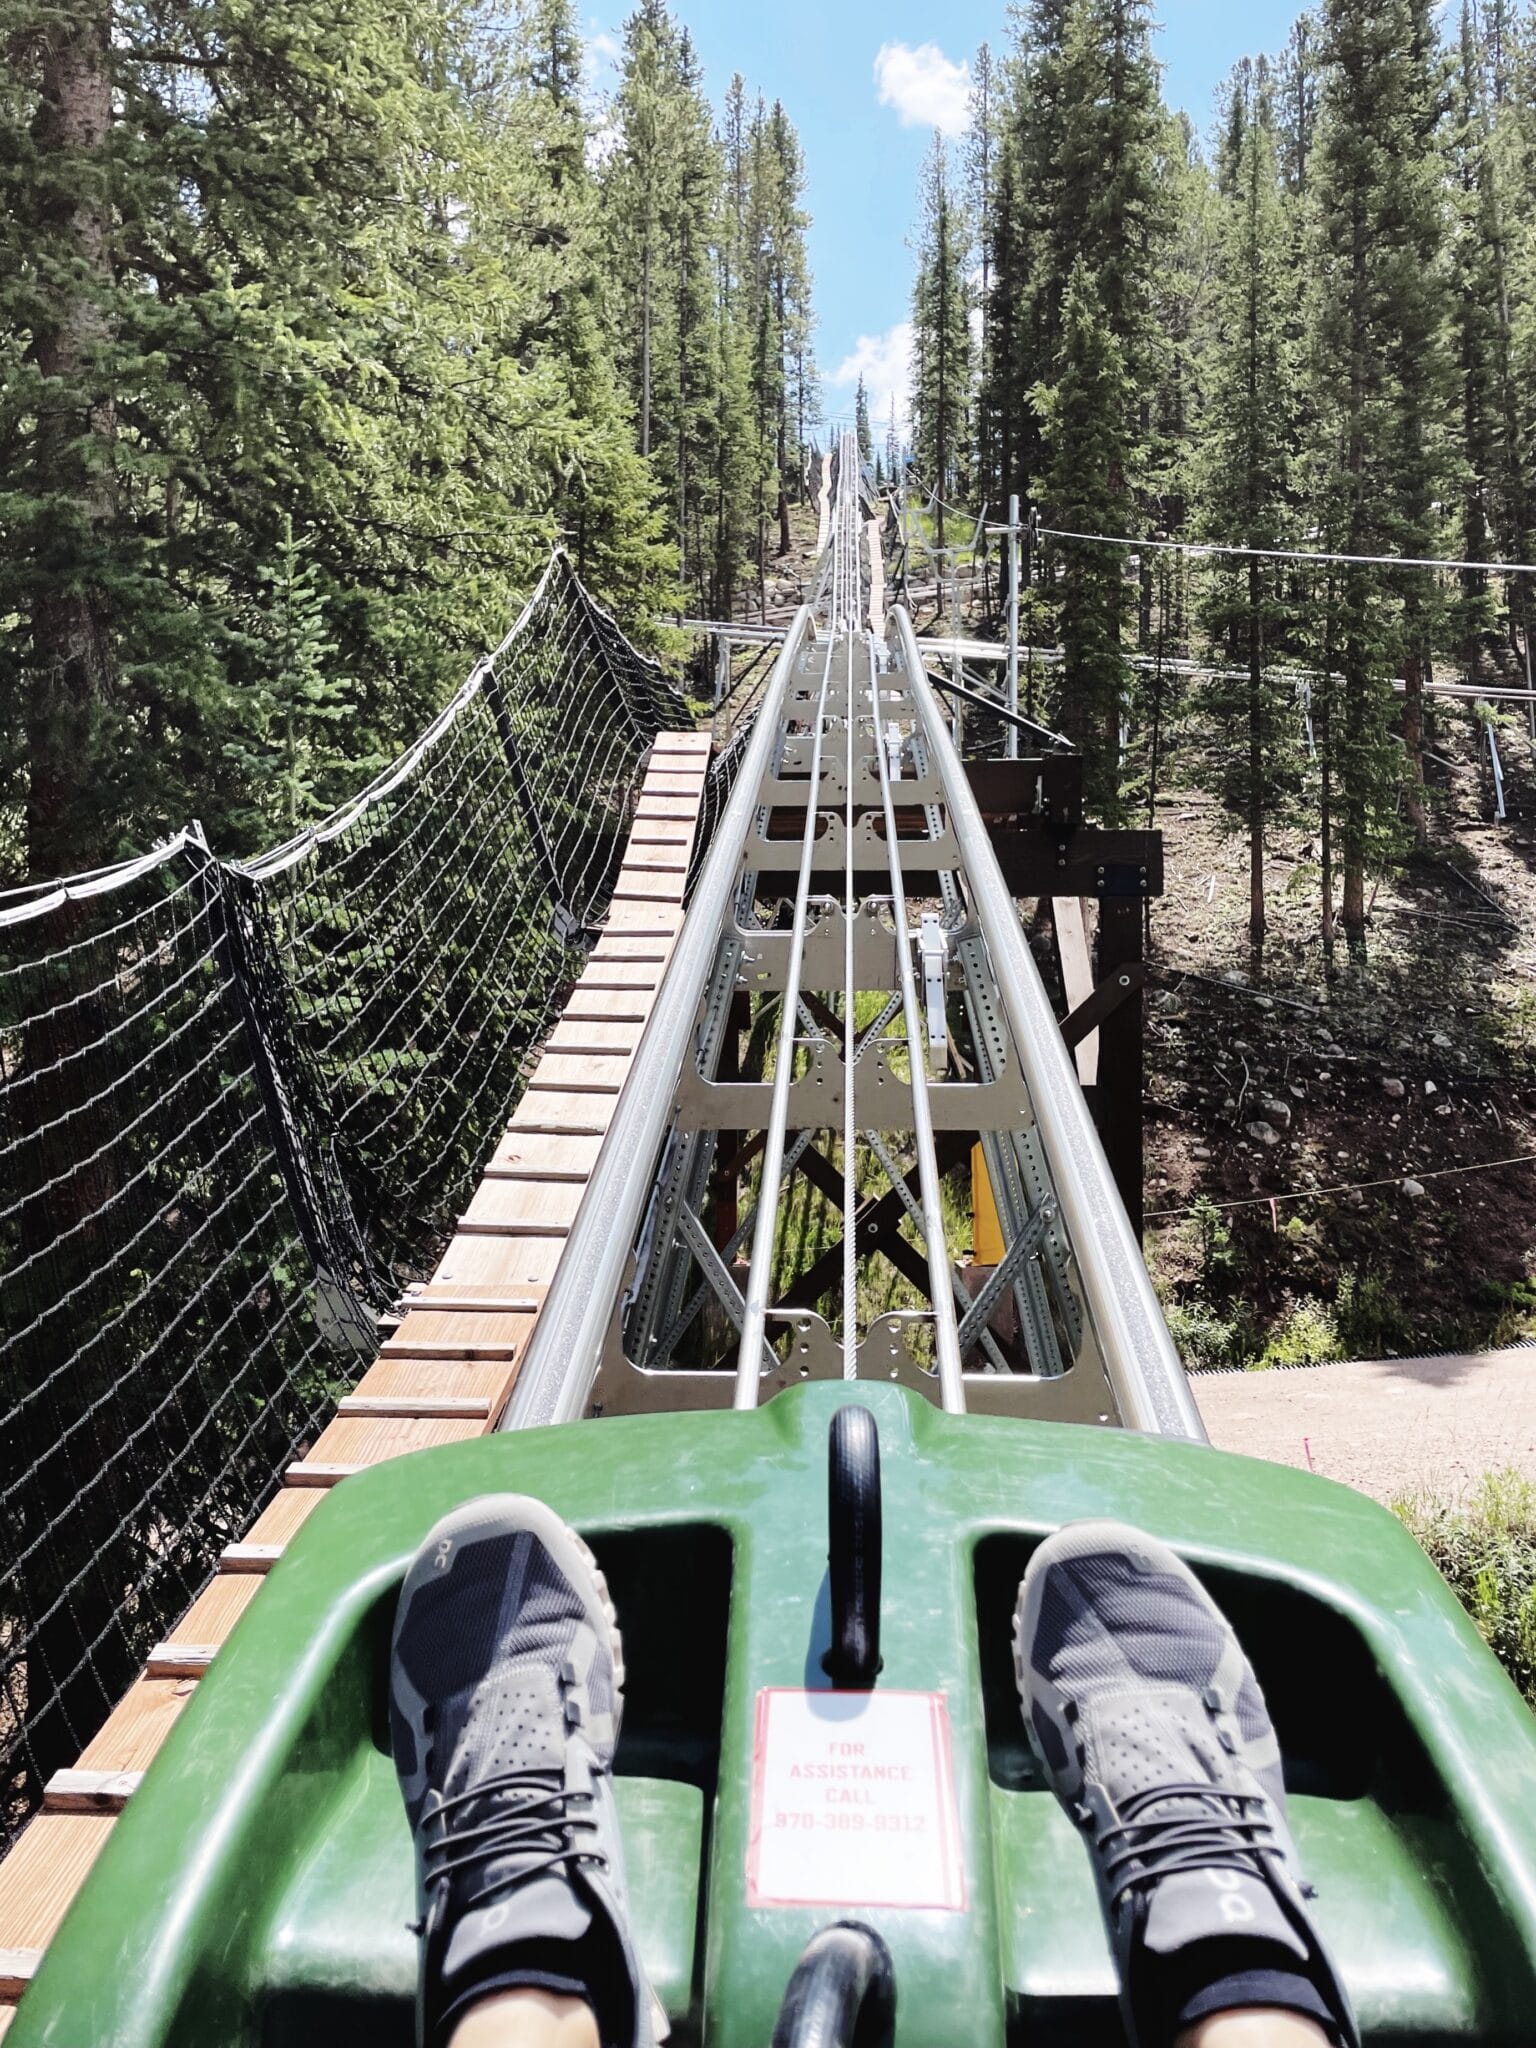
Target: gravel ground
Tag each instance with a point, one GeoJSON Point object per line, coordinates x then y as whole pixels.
{"type": "Point", "coordinates": [1392, 1427]}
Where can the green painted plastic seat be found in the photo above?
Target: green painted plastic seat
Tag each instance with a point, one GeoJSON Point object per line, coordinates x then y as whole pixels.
{"type": "Point", "coordinates": [258, 1887]}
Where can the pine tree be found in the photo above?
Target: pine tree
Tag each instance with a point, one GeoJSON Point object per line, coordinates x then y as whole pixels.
{"type": "Point", "coordinates": [1085, 412]}
{"type": "Point", "coordinates": [981, 167]}
{"type": "Point", "coordinates": [66, 483]}
{"type": "Point", "coordinates": [861, 426]}
{"type": "Point", "coordinates": [1247, 468]}
{"type": "Point", "coordinates": [1296, 101]}
{"type": "Point", "coordinates": [1495, 516]}
{"type": "Point", "coordinates": [942, 339]}
{"type": "Point", "coordinates": [1381, 388]}
{"type": "Point", "coordinates": [1007, 426]}
{"type": "Point", "coordinates": [710, 307]}
{"type": "Point", "coordinates": [293, 751]}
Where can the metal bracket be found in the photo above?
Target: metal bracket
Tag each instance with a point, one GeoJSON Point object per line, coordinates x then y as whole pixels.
{"type": "Point", "coordinates": [933, 950]}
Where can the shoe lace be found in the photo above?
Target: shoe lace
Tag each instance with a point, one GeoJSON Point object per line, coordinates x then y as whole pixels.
{"type": "Point", "coordinates": [1229, 1831]}
{"type": "Point", "coordinates": [535, 1820]}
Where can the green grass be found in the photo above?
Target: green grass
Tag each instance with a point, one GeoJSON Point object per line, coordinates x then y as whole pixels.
{"type": "Point", "coordinates": [1486, 1552]}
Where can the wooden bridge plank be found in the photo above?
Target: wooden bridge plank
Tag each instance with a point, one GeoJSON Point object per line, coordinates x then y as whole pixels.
{"type": "Point", "coordinates": [659, 922]}
{"type": "Point", "coordinates": [619, 973]}
{"type": "Point", "coordinates": [550, 1110]}
{"type": "Point", "coordinates": [42, 1874]}
{"type": "Point", "coordinates": [407, 1379]}
{"type": "Point", "coordinates": [502, 1261]}
{"type": "Point", "coordinates": [617, 1008]}
{"type": "Point", "coordinates": [678, 809]}
{"type": "Point", "coordinates": [584, 1038]}
{"type": "Point", "coordinates": [581, 1074]}
{"type": "Point", "coordinates": [531, 1205]}
{"type": "Point", "coordinates": [436, 1335]}
{"type": "Point", "coordinates": [370, 1442]}
{"type": "Point", "coordinates": [661, 782]}
{"type": "Point", "coordinates": [131, 1736]}
{"type": "Point", "coordinates": [83, 1791]}
{"type": "Point", "coordinates": [540, 1153]}
{"type": "Point", "coordinates": [280, 1521]}
{"type": "Point", "coordinates": [461, 1407]}
{"type": "Point", "coordinates": [214, 1612]}
{"type": "Point", "coordinates": [656, 860]}
{"type": "Point", "coordinates": [661, 890]}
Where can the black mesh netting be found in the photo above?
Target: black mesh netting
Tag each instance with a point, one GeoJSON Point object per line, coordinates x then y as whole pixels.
{"type": "Point", "coordinates": [239, 1106]}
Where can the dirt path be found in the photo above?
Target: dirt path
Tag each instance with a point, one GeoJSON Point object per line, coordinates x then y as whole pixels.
{"type": "Point", "coordinates": [1386, 1428]}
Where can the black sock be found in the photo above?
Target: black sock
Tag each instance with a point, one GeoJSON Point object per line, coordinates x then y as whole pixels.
{"type": "Point", "coordinates": [1227, 1974]}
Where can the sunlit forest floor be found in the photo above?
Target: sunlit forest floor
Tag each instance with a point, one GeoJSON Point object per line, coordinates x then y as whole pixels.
{"type": "Point", "coordinates": [1417, 1058]}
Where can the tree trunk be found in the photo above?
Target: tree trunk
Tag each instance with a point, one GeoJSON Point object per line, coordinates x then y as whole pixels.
{"type": "Point", "coordinates": [1255, 762]}
{"type": "Point", "coordinates": [783, 457]}
{"type": "Point", "coordinates": [1356, 684]}
{"type": "Point", "coordinates": [1324, 734]}
{"type": "Point", "coordinates": [1414, 666]}
{"type": "Point", "coordinates": [645, 347]}
{"type": "Point", "coordinates": [74, 663]}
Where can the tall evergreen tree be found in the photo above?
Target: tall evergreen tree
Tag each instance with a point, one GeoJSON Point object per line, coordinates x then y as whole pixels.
{"type": "Point", "coordinates": [942, 335]}
{"type": "Point", "coordinates": [710, 304]}
{"type": "Point", "coordinates": [861, 427]}
{"type": "Point", "coordinates": [1246, 471]}
{"type": "Point", "coordinates": [1085, 412]}
{"type": "Point", "coordinates": [1381, 376]}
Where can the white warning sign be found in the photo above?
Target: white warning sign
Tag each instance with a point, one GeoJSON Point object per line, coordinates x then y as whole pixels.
{"type": "Point", "coordinates": [853, 1802]}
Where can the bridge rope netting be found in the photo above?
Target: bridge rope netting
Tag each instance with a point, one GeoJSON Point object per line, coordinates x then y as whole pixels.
{"type": "Point", "coordinates": [243, 1104]}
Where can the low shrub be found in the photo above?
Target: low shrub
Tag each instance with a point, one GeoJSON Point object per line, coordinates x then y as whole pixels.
{"type": "Point", "coordinates": [1486, 1552]}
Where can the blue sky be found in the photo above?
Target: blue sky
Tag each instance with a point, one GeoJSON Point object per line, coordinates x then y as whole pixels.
{"type": "Point", "coordinates": [864, 85]}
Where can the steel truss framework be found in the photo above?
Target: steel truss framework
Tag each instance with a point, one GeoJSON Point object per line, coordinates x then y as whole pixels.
{"type": "Point", "coordinates": [853, 1006]}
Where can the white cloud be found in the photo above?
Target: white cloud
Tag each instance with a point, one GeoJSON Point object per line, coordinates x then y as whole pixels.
{"type": "Point", "coordinates": [601, 49]}
{"type": "Point", "coordinates": [600, 57]}
{"type": "Point", "coordinates": [884, 361]}
{"type": "Point", "coordinates": [924, 87]}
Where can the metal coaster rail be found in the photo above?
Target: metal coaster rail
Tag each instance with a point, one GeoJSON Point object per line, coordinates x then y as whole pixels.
{"type": "Point", "coordinates": [851, 804]}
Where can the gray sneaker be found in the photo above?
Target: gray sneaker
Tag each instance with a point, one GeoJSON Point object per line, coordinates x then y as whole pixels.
{"type": "Point", "coordinates": [1152, 1732]}
{"type": "Point", "coordinates": [504, 1705]}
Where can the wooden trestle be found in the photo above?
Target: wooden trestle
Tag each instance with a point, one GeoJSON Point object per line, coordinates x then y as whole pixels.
{"type": "Point", "coordinates": [447, 1371]}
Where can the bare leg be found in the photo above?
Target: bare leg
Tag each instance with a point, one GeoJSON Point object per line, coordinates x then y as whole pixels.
{"type": "Point", "coordinates": [538, 2019]}
{"type": "Point", "coordinates": [1254, 2027]}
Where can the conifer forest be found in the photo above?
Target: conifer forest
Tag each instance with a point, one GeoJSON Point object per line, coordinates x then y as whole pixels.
{"type": "Point", "coordinates": [318, 325]}
{"type": "Point", "coordinates": [1312, 333]}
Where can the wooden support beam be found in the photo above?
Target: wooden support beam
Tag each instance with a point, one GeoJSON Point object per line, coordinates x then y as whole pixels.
{"type": "Point", "coordinates": [90, 1791]}
{"type": "Point", "coordinates": [1106, 998]}
{"type": "Point", "coordinates": [1118, 1106]}
{"type": "Point", "coordinates": [180, 1660]}
{"type": "Point", "coordinates": [1068, 914]}
{"type": "Point", "coordinates": [256, 1558]}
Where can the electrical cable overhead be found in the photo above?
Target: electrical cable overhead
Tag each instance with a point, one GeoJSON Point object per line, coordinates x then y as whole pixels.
{"type": "Point", "coordinates": [1199, 548]}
